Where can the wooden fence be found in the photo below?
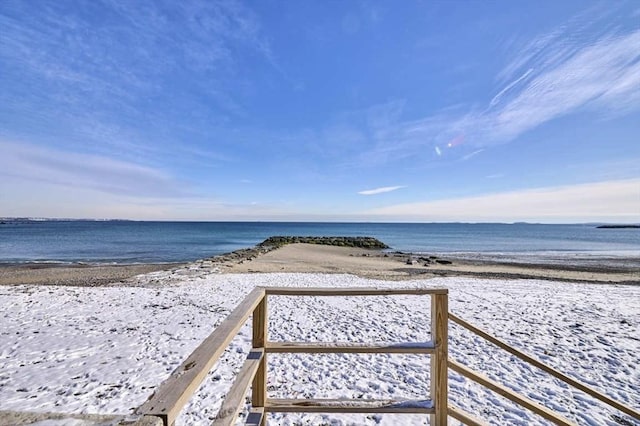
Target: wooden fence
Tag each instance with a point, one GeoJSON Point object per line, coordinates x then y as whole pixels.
{"type": "Point", "coordinates": [171, 396]}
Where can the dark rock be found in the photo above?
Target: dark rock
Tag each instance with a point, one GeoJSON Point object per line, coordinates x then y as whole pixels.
{"type": "Point", "coordinates": [361, 242]}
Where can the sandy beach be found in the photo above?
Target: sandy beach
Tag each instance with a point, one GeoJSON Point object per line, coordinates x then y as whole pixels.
{"type": "Point", "coordinates": [311, 258]}
{"type": "Point", "coordinates": [104, 349]}
{"type": "Point", "coordinates": [43, 274]}
{"type": "Point", "coordinates": [141, 322]}
{"type": "Point", "coordinates": [401, 266]}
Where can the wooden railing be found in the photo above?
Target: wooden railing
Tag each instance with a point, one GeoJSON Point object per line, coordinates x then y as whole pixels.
{"type": "Point", "coordinates": [171, 396]}
{"type": "Point", "coordinates": [522, 400]}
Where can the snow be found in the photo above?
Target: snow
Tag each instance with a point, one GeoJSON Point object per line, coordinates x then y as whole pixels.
{"type": "Point", "coordinates": [104, 349]}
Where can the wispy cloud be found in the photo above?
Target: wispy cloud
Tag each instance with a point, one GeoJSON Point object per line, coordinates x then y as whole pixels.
{"type": "Point", "coordinates": [197, 35]}
{"type": "Point", "coordinates": [29, 163]}
{"type": "Point", "coordinates": [603, 201]}
{"type": "Point", "coordinates": [502, 92]}
{"type": "Point", "coordinates": [605, 74]}
{"type": "Point", "coordinates": [472, 154]}
{"type": "Point", "coordinates": [566, 71]}
{"type": "Point", "coordinates": [380, 190]}
{"type": "Point", "coordinates": [141, 68]}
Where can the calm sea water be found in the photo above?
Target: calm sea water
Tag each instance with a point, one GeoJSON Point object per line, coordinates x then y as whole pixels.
{"type": "Point", "coordinates": [148, 242]}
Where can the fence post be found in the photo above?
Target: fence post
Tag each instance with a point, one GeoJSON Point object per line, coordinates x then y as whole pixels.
{"type": "Point", "coordinates": [259, 387]}
{"type": "Point", "coordinates": [439, 367]}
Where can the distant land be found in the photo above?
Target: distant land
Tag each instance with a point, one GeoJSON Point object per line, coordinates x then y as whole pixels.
{"type": "Point", "coordinates": [6, 220]}
{"type": "Point", "coordinates": [15, 220]}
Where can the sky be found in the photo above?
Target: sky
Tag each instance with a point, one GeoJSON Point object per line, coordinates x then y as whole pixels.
{"type": "Point", "coordinates": [428, 111]}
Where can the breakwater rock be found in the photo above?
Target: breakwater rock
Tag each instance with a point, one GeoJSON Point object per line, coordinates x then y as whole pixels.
{"type": "Point", "coordinates": [362, 242]}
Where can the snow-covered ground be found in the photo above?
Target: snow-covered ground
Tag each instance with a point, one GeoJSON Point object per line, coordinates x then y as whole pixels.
{"type": "Point", "coordinates": [104, 349]}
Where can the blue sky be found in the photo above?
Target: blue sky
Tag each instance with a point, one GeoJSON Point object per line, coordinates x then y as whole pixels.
{"type": "Point", "coordinates": [329, 110]}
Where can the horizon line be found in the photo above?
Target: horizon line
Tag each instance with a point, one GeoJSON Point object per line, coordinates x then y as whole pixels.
{"type": "Point", "coordinates": [70, 219]}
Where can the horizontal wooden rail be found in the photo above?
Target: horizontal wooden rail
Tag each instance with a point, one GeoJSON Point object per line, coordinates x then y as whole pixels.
{"type": "Point", "coordinates": [235, 398]}
{"type": "Point", "coordinates": [381, 348]}
{"type": "Point", "coordinates": [349, 406]}
{"type": "Point", "coordinates": [172, 394]}
{"type": "Point", "coordinates": [509, 394]}
{"type": "Point", "coordinates": [555, 373]}
{"type": "Point", "coordinates": [350, 291]}
{"type": "Point", "coordinates": [464, 417]}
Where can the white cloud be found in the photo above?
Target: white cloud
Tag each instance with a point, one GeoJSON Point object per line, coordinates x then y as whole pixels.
{"type": "Point", "coordinates": [30, 163]}
{"type": "Point", "coordinates": [604, 201]}
{"type": "Point", "coordinates": [552, 76]}
{"type": "Point", "coordinates": [532, 51]}
{"type": "Point", "coordinates": [472, 154]}
{"type": "Point", "coordinates": [76, 76]}
{"type": "Point", "coordinates": [603, 74]}
{"type": "Point", "coordinates": [21, 198]}
{"type": "Point", "coordinates": [496, 98]}
{"type": "Point", "coordinates": [380, 190]}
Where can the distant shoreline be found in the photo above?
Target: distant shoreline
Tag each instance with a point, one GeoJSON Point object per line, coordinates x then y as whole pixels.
{"type": "Point", "coordinates": [6, 220]}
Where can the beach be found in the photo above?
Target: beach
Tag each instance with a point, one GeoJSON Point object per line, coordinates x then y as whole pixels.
{"type": "Point", "coordinates": [98, 340]}
{"type": "Point", "coordinates": [74, 275]}
{"type": "Point", "coordinates": [365, 263]}
{"type": "Point", "coordinates": [104, 349]}
{"type": "Point", "coordinates": [310, 258]}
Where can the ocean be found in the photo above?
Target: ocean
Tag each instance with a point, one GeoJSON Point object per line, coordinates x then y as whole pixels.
{"type": "Point", "coordinates": [130, 242]}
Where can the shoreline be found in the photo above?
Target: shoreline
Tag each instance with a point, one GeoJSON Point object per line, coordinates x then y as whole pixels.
{"type": "Point", "coordinates": [76, 274]}
{"type": "Point", "coordinates": [402, 266]}
{"type": "Point", "coordinates": [313, 258]}
{"type": "Point", "coordinates": [108, 348]}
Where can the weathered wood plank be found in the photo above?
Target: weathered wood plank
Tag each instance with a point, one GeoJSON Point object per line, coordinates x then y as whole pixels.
{"type": "Point", "coordinates": [338, 347]}
{"type": "Point", "coordinates": [465, 417]}
{"type": "Point", "coordinates": [348, 406]}
{"type": "Point", "coordinates": [439, 368]}
{"type": "Point", "coordinates": [142, 421]}
{"type": "Point", "coordinates": [235, 398]}
{"type": "Point", "coordinates": [172, 394]}
{"type": "Point", "coordinates": [509, 394]}
{"type": "Point", "coordinates": [350, 291]}
{"type": "Point", "coordinates": [555, 373]}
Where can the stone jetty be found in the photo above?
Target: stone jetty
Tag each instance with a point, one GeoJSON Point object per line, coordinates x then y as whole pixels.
{"type": "Point", "coordinates": [361, 242]}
